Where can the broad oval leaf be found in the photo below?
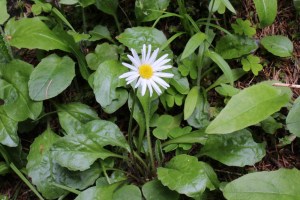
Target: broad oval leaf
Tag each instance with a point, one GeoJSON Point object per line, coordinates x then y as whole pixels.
{"type": "Point", "coordinates": [278, 45]}
{"type": "Point", "coordinates": [190, 102]}
{"type": "Point", "coordinates": [249, 107]}
{"type": "Point", "coordinates": [14, 91]}
{"type": "Point", "coordinates": [154, 190]}
{"type": "Point", "coordinates": [149, 10]}
{"type": "Point", "coordinates": [223, 65]}
{"type": "Point", "coordinates": [108, 6]}
{"type": "Point", "coordinates": [80, 151]}
{"type": "Point", "coordinates": [136, 37]}
{"type": "Point", "coordinates": [74, 115]}
{"type": "Point", "coordinates": [194, 42]}
{"type": "Point", "coordinates": [276, 185]}
{"type": "Point", "coordinates": [293, 120]}
{"type": "Point", "coordinates": [8, 130]}
{"type": "Point", "coordinates": [266, 10]}
{"type": "Point", "coordinates": [32, 33]}
{"type": "Point", "coordinates": [106, 83]}
{"type": "Point", "coordinates": [3, 14]}
{"type": "Point", "coordinates": [235, 149]}
{"type": "Point", "coordinates": [184, 174]}
{"type": "Point", "coordinates": [131, 192]}
{"type": "Point", "coordinates": [179, 82]}
{"type": "Point", "coordinates": [50, 77]}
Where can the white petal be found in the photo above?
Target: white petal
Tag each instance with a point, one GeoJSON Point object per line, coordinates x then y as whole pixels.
{"type": "Point", "coordinates": [130, 66]}
{"type": "Point", "coordinates": [138, 83]}
{"type": "Point", "coordinates": [155, 87]}
{"type": "Point", "coordinates": [143, 53]}
{"type": "Point", "coordinates": [136, 62]}
{"type": "Point", "coordinates": [161, 68]}
{"type": "Point", "coordinates": [161, 63]}
{"type": "Point", "coordinates": [153, 56]}
{"type": "Point", "coordinates": [136, 57]}
{"type": "Point", "coordinates": [150, 87]}
{"type": "Point", "coordinates": [161, 82]}
{"type": "Point", "coordinates": [163, 74]}
{"type": "Point", "coordinates": [148, 54]}
{"type": "Point", "coordinates": [128, 74]}
{"type": "Point", "coordinates": [144, 87]}
{"type": "Point", "coordinates": [132, 77]}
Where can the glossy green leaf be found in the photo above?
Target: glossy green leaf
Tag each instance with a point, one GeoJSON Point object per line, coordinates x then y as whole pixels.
{"type": "Point", "coordinates": [190, 102]}
{"type": "Point", "coordinates": [266, 10]}
{"type": "Point", "coordinates": [154, 190]}
{"type": "Point", "coordinates": [106, 83]}
{"type": "Point", "coordinates": [198, 136]}
{"type": "Point", "coordinates": [131, 192]}
{"type": "Point", "coordinates": [252, 63]}
{"type": "Point", "coordinates": [8, 130]}
{"type": "Point", "coordinates": [227, 90]}
{"type": "Point", "coordinates": [249, 107]}
{"type": "Point", "coordinates": [235, 149]}
{"type": "Point", "coordinates": [102, 53]}
{"type": "Point", "coordinates": [14, 91]}
{"type": "Point", "coordinates": [98, 192]}
{"type": "Point", "coordinates": [278, 45]}
{"type": "Point", "coordinates": [184, 174]}
{"type": "Point", "coordinates": [194, 42]}
{"type": "Point", "coordinates": [293, 119]}
{"type": "Point", "coordinates": [233, 46]}
{"type": "Point", "coordinates": [108, 6]}
{"type": "Point", "coordinates": [100, 32]}
{"type": "Point", "coordinates": [39, 165]}
{"type": "Point", "coordinates": [51, 77]}
{"type": "Point", "coordinates": [228, 5]}
{"type": "Point", "coordinates": [165, 123]}
{"type": "Point", "coordinates": [180, 83]}
{"type": "Point", "coordinates": [149, 10]}
{"type": "Point", "coordinates": [3, 14]}
{"type": "Point", "coordinates": [136, 37]}
{"type": "Point", "coordinates": [32, 33]}
{"type": "Point", "coordinates": [83, 3]}
{"type": "Point", "coordinates": [74, 115]}
{"type": "Point", "coordinates": [276, 185]}
{"type": "Point", "coordinates": [78, 37]}
{"type": "Point", "coordinates": [223, 65]}
{"type": "Point", "coordinates": [80, 151]}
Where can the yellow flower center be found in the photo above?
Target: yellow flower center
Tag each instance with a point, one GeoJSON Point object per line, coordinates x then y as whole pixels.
{"type": "Point", "coordinates": [146, 71]}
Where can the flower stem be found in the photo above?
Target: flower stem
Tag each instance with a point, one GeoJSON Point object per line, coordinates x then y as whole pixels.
{"type": "Point", "coordinates": [117, 23]}
{"type": "Point", "coordinates": [150, 151]}
{"type": "Point", "coordinates": [130, 135]}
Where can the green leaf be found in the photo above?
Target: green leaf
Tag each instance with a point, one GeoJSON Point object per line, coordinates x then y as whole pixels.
{"type": "Point", "coordinates": [51, 77]}
{"type": "Point", "coordinates": [297, 5]}
{"type": "Point", "coordinates": [227, 90]}
{"type": "Point", "coordinates": [14, 91]}
{"type": "Point", "coordinates": [100, 32]}
{"type": "Point", "coordinates": [32, 33]}
{"type": "Point", "coordinates": [3, 14]}
{"type": "Point", "coordinates": [292, 119]}
{"type": "Point", "coordinates": [74, 115]}
{"type": "Point", "coordinates": [243, 27]}
{"type": "Point", "coordinates": [252, 63]}
{"type": "Point", "coordinates": [249, 107]}
{"type": "Point", "coordinates": [236, 73]}
{"type": "Point", "coordinates": [108, 6]}
{"type": "Point", "coordinates": [149, 10]}
{"type": "Point", "coordinates": [222, 64]}
{"type": "Point", "coordinates": [154, 190]}
{"type": "Point", "coordinates": [102, 53]}
{"type": "Point", "coordinates": [8, 130]}
{"type": "Point", "coordinates": [180, 83]}
{"type": "Point", "coordinates": [194, 42]}
{"type": "Point", "coordinates": [235, 149]}
{"type": "Point", "coordinates": [201, 114]}
{"type": "Point", "coordinates": [106, 83]}
{"type": "Point", "coordinates": [190, 102]}
{"type": "Point", "coordinates": [131, 192]}
{"type": "Point", "coordinates": [136, 37]}
{"type": "Point", "coordinates": [198, 136]}
{"type": "Point", "coordinates": [228, 5]}
{"type": "Point", "coordinates": [266, 10]}
{"type": "Point", "coordinates": [165, 123]}
{"type": "Point", "coordinates": [270, 125]}
{"type": "Point", "coordinates": [276, 185]}
{"type": "Point", "coordinates": [233, 46]}
{"type": "Point", "coordinates": [78, 37]}
{"type": "Point", "coordinates": [278, 45]}
{"type": "Point", "coordinates": [80, 151]}
{"type": "Point", "coordinates": [184, 174]}
{"type": "Point", "coordinates": [39, 165]}
{"type": "Point", "coordinates": [83, 3]}
{"type": "Point", "coordinates": [98, 192]}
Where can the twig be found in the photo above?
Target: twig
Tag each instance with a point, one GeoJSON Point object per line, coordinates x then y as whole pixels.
{"type": "Point", "coordinates": [286, 85]}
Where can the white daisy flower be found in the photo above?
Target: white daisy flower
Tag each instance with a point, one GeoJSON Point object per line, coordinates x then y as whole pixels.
{"type": "Point", "coordinates": [147, 70]}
